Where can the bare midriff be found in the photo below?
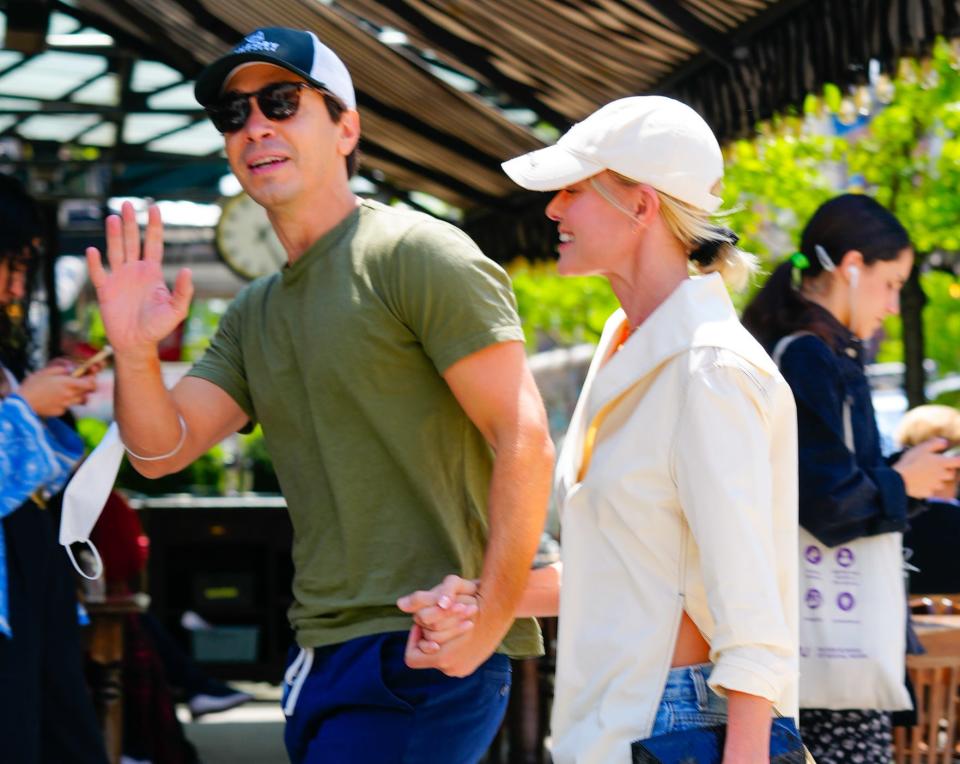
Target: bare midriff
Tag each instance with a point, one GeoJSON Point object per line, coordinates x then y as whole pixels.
{"type": "Point", "coordinates": [691, 647]}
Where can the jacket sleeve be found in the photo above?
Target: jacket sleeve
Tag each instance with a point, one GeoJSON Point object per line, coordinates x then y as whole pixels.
{"type": "Point", "coordinates": [27, 461]}
{"type": "Point", "coordinates": [839, 500]}
{"type": "Point", "coordinates": [723, 468]}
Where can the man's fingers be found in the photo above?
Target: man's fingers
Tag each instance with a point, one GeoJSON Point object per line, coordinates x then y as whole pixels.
{"type": "Point", "coordinates": [131, 233]}
{"type": "Point", "coordinates": [153, 238]}
{"type": "Point", "coordinates": [98, 275]}
{"type": "Point", "coordinates": [114, 234]}
{"type": "Point", "coordinates": [182, 291]}
{"type": "Point", "coordinates": [435, 618]}
{"type": "Point", "coordinates": [442, 636]}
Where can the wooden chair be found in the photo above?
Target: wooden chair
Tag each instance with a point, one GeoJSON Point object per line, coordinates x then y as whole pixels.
{"type": "Point", "coordinates": [935, 604]}
{"type": "Point", "coordinates": [936, 680]}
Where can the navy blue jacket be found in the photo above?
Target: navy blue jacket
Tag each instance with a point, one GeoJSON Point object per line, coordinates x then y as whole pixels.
{"type": "Point", "coordinates": [843, 495]}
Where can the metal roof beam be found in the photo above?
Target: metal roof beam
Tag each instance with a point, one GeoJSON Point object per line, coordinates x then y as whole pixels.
{"type": "Point", "coordinates": [714, 44]}
{"type": "Point", "coordinates": [477, 58]}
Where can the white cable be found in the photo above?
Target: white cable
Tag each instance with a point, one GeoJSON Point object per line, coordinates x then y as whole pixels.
{"type": "Point", "coordinates": [825, 262]}
{"type": "Point", "coordinates": [176, 449]}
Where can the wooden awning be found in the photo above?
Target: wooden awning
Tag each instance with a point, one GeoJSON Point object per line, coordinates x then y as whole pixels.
{"type": "Point", "coordinates": [448, 89]}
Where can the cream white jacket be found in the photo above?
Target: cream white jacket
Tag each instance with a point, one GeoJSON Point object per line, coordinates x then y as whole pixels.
{"type": "Point", "coordinates": [677, 484]}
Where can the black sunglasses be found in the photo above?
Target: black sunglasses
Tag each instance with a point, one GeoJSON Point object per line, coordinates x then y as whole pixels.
{"type": "Point", "coordinates": [277, 101]}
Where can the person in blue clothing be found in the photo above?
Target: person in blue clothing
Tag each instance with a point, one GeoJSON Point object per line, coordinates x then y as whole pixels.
{"type": "Point", "coordinates": [46, 715]}
{"type": "Point", "coordinates": [829, 297]}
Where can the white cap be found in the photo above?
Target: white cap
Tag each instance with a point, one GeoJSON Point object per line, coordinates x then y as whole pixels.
{"type": "Point", "coordinates": [649, 139]}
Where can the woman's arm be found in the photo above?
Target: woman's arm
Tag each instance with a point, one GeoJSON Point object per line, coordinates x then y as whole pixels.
{"type": "Point", "coordinates": [734, 462]}
{"type": "Point", "coordinates": [541, 598]}
{"type": "Point", "coordinates": [748, 729]}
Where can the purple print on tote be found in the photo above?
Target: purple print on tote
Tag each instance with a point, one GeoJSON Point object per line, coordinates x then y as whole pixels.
{"type": "Point", "coordinates": [812, 553]}
{"type": "Point", "coordinates": [845, 557]}
{"type": "Point", "coordinates": [845, 601]}
{"type": "Point", "coordinates": [813, 598]}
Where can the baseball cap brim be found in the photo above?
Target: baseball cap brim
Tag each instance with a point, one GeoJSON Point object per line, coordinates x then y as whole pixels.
{"type": "Point", "coordinates": [550, 169]}
{"type": "Point", "coordinates": [211, 80]}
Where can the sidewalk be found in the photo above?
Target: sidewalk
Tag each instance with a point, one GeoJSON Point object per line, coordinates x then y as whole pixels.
{"type": "Point", "coordinates": [249, 734]}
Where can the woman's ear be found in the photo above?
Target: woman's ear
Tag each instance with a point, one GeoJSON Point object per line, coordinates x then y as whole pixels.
{"type": "Point", "coordinates": [851, 265]}
{"type": "Point", "coordinates": [646, 204]}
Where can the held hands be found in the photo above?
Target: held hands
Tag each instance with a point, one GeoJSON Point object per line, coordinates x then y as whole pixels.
{"type": "Point", "coordinates": [51, 391]}
{"type": "Point", "coordinates": [138, 310]}
{"type": "Point", "coordinates": [449, 631]}
{"type": "Point", "coordinates": [925, 470]}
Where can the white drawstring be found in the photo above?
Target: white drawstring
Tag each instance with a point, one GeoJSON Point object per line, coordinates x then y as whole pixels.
{"type": "Point", "coordinates": [295, 676]}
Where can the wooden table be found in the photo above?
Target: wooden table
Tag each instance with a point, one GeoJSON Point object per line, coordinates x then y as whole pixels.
{"type": "Point", "coordinates": [105, 648]}
{"type": "Point", "coordinates": [939, 634]}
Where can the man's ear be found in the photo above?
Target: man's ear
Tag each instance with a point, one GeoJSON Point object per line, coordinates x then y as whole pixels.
{"type": "Point", "coordinates": [349, 127]}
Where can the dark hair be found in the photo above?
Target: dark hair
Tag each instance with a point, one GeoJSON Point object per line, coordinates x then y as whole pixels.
{"type": "Point", "coordinates": [336, 108]}
{"type": "Point", "coordinates": [20, 227]}
{"type": "Point", "coordinates": [844, 223]}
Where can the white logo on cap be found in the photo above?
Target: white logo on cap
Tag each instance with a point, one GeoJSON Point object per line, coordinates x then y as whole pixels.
{"type": "Point", "coordinates": [256, 41]}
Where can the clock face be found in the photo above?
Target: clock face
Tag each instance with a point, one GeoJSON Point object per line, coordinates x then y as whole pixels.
{"type": "Point", "coordinates": [245, 239]}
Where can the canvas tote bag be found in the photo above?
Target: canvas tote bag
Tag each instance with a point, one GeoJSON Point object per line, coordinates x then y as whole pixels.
{"type": "Point", "coordinates": [852, 614]}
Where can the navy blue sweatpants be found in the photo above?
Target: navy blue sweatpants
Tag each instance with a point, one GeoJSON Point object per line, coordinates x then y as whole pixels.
{"type": "Point", "coordinates": [360, 704]}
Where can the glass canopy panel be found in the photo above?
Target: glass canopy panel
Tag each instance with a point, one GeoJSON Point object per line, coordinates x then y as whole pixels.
{"type": "Point", "coordinates": [198, 140]}
{"type": "Point", "coordinates": [19, 104]}
{"type": "Point", "coordinates": [60, 23]}
{"type": "Point", "coordinates": [6, 121]}
{"type": "Point", "coordinates": [152, 75]}
{"type": "Point", "coordinates": [50, 127]}
{"type": "Point", "coordinates": [139, 128]}
{"type": "Point", "coordinates": [104, 134]}
{"type": "Point", "coordinates": [103, 91]}
{"type": "Point", "coordinates": [9, 58]}
{"type": "Point", "coordinates": [51, 75]}
{"type": "Point", "coordinates": [178, 97]}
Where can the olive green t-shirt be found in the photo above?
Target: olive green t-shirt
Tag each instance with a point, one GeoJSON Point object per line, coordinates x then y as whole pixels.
{"type": "Point", "coordinates": [339, 358]}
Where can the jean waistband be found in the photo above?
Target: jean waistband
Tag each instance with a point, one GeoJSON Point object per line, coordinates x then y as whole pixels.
{"type": "Point", "coordinates": [688, 683]}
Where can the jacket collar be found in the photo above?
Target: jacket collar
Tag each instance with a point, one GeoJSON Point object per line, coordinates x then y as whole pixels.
{"type": "Point", "coordinates": [699, 313]}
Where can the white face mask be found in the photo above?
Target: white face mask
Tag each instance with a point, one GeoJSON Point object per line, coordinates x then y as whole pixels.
{"type": "Point", "coordinates": [86, 495]}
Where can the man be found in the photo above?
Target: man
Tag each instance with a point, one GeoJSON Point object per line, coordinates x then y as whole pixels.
{"type": "Point", "coordinates": [385, 364]}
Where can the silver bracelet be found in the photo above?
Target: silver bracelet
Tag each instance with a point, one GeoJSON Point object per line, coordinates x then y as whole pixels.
{"type": "Point", "coordinates": [183, 439]}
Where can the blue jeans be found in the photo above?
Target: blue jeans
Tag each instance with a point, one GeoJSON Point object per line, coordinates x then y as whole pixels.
{"type": "Point", "coordinates": [688, 703]}
{"type": "Point", "coordinates": [360, 704]}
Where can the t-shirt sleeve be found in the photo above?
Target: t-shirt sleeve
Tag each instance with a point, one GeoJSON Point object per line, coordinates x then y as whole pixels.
{"type": "Point", "coordinates": [453, 298]}
{"type": "Point", "coordinates": [222, 363]}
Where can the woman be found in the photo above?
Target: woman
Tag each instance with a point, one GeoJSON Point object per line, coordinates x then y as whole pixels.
{"type": "Point", "coordinates": [45, 709]}
{"type": "Point", "coordinates": [677, 478]}
{"type": "Point", "coordinates": [854, 258]}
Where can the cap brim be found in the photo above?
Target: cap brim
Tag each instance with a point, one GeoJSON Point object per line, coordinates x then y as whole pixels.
{"type": "Point", "coordinates": [211, 80]}
{"type": "Point", "coordinates": [550, 169]}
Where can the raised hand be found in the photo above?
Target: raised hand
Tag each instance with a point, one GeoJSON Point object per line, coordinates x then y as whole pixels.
{"type": "Point", "coordinates": [137, 307]}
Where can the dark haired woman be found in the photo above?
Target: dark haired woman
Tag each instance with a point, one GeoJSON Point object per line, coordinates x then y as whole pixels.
{"type": "Point", "coordinates": [45, 710]}
{"type": "Point", "coordinates": [854, 258]}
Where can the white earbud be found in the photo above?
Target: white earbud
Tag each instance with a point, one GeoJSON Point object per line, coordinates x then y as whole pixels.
{"type": "Point", "coordinates": [854, 273]}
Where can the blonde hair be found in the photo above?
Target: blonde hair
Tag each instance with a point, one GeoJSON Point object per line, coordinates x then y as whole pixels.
{"type": "Point", "coordinates": [710, 247]}
{"type": "Point", "coordinates": [925, 422]}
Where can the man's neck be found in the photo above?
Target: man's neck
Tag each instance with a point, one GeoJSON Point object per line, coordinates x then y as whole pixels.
{"type": "Point", "coordinates": [300, 225]}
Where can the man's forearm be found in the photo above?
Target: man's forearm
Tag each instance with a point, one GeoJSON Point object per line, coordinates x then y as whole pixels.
{"type": "Point", "coordinates": [146, 412]}
{"type": "Point", "coordinates": [519, 492]}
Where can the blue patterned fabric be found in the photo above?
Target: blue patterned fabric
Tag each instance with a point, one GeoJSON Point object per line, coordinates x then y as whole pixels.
{"type": "Point", "coordinates": [34, 454]}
